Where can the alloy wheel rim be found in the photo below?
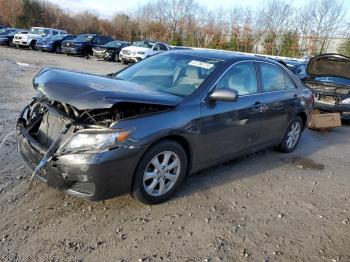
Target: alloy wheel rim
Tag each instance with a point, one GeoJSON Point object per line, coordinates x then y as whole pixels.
{"type": "Point", "coordinates": [293, 134]}
{"type": "Point", "coordinates": [161, 173]}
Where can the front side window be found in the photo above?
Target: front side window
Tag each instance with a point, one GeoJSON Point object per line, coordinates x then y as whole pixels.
{"type": "Point", "coordinates": [273, 79]}
{"type": "Point", "coordinates": [156, 47]}
{"type": "Point", "coordinates": [177, 74]}
{"type": "Point", "coordinates": [241, 78]}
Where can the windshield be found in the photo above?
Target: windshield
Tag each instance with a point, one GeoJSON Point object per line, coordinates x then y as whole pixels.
{"type": "Point", "coordinates": [39, 31]}
{"type": "Point", "coordinates": [114, 44]}
{"type": "Point", "coordinates": [332, 80]}
{"type": "Point", "coordinates": [84, 38]}
{"type": "Point", "coordinates": [145, 44]}
{"type": "Point", "coordinates": [177, 74]}
{"type": "Point", "coordinates": [300, 69]}
{"type": "Point", "coordinates": [2, 30]}
{"type": "Point", "coordinates": [5, 31]}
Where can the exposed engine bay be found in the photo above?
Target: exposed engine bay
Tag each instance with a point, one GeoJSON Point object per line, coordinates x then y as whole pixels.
{"type": "Point", "coordinates": [100, 117]}
{"type": "Point", "coordinates": [330, 94]}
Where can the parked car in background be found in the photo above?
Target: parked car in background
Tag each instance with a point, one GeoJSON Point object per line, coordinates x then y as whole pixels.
{"type": "Point", "coordinates": [142, 130]}
{"type": "Point", "coordinates": [82, 45]}
{"type": "Point", "coordinates": [53, 43]}
{"type": "Point", "coordinates": [6, 37]}
{"type": "Point", "coordinates": [141, 50]}
{"type": "Point", "coordinates": [329, 79]}
{"type": "Point", "coordinates": [35, 33]}
{"type": "Point", "coordinates": [109, 51]}
{"type": "Point", "coordinates": [298, 67]}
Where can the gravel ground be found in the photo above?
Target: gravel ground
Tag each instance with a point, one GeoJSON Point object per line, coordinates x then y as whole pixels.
{"type": "Point", "coordinates": [264, 207]}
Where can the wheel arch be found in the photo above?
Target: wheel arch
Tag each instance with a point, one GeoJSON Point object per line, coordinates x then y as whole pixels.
{"type": "Point", "coordinates": [181, 140]}
{"type": "Point", "coordinates": [303, 117]}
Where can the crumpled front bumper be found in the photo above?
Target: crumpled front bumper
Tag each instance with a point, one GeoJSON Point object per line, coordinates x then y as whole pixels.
{"type": "Point", "coordinates": [94, 176]}
{"type": "Point", "coordinates": [343, 109]}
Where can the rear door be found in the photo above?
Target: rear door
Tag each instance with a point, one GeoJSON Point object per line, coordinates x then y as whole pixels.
{"type": "Point", "coordinates": [231, 128]}
{"type": "Point", "coordinates": [279, 98]}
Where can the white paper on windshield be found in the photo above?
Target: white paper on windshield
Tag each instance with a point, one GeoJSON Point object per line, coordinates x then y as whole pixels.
{"type": "Point", "coordinates": [201, 64]}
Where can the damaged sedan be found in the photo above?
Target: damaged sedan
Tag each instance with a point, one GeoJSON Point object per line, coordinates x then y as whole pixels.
{"type": "Point", "coordinates": [144, 129]}
{"type": "Point", "coordinates": [329, 79]}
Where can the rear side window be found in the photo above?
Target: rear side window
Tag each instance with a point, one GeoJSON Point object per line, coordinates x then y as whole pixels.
{"type": "Point", "coordinates": [163, 47]}
{"type": "Point", "coordinates": [241, 77]}
{"type": "Point", "coordinates": [54, 32]}
{"type": "Point", "coordinates": [273, 79]}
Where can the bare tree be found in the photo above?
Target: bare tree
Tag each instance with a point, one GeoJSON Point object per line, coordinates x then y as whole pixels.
{"type": "Point", "coordinates": [10, 10]}
{"type": "Point", "coordinates": [327, 17]}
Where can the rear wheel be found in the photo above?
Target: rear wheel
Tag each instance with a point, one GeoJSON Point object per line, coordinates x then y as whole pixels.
{"type": "Point", "coordinates": [292, 137]}
{"type": "Point", "coordinates": [160, 172]}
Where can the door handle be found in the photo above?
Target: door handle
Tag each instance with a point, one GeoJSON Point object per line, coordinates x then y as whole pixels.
{"type": "Point", "coordinates": [259, 107]}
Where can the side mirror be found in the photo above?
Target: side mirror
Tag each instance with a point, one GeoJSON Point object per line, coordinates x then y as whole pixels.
{"type": "Point", "coordinates": [224, 94]}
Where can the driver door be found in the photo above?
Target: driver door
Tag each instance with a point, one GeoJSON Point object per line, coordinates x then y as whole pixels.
{"type": "Point", "coordinates": [231, 128]}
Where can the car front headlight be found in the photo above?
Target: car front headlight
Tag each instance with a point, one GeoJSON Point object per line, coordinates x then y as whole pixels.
{"type": "Point", "coordinates": [346, 101]}
{"type": "Point", "coordinates": [95, 140]}
{"type": "Point", "coordinates": [140, 53]}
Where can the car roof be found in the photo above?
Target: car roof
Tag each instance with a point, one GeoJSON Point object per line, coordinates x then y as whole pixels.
{"type": "Point", "coordinates": [222, 55]}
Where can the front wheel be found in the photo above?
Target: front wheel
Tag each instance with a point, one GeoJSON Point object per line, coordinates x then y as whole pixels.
{"type": "Point", "coordinates": [292, 137]}
{"type": "Point", "coordinates": [116, 57]}
{"type": "Point", "coordinates": [58, 49]}
{"type": "Point", "coordinates": [32, 45]}
{"type": "Point", "coordinates": [160, 172]}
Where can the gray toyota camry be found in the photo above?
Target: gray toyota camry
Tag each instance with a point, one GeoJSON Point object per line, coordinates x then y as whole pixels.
{"type": "Point", "coordinates": [144, 129]}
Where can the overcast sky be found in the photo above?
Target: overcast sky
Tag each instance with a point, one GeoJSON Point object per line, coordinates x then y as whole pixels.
{"type": "Point", "coordinates": [107, 8]}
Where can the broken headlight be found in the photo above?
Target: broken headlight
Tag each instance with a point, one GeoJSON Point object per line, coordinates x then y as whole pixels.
{"type": "Point", "coordinates": [92, 140]}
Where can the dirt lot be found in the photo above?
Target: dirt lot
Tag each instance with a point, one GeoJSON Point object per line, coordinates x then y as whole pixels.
{"type": "Point", "coordinates": [265, 207]}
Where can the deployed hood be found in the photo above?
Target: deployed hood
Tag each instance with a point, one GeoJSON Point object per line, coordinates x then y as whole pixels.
{"type": "Point", "coordinates": [334, 65]}
{"type": "Point", "coordinates": [87, 91]}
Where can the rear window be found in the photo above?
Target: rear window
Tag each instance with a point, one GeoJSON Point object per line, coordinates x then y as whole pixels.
{"type": "Point", "coordinates": [274, 79]}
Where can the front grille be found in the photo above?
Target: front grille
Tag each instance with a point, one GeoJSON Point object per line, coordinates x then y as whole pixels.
{"type": "Point", "coordinates": [86, 188]}
{"type": "Point", "coordinates": [18, 37]}
{"type": "Point", "coordinates": [126, 52]}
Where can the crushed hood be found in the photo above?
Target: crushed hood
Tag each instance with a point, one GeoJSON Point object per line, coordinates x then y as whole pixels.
{"type": "Point", "coordinates": [87, 91]}
{"type": "Point", "coordinates": [329, 65]}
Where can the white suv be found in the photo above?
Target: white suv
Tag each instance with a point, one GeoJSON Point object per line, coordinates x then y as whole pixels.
{"type": "Point", "coordinates": [141, 50]}
{"type": "Point", "coordinates": [29, 40]}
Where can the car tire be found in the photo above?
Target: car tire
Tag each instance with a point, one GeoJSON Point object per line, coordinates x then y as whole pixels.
{"type": "Point", "coordinates": [160, 172]}
{"type": "Point", "coordinates": [32, 45]}
{"type": "Point", "coordinates": [291, 138]}
{"type": "Point", "coordinates": [116, 58]}
{"type": "Point", "coordinates": [124, 62]}
{"type": "Point", "coordinates": [58, 49]}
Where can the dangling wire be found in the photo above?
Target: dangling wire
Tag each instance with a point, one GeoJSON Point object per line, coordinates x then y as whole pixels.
{"type": "Point", "coordinates": [6, 138]}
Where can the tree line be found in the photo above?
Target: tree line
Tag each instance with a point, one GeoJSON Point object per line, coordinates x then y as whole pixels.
{"type": "Point", "coordinates": [275, 27]}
